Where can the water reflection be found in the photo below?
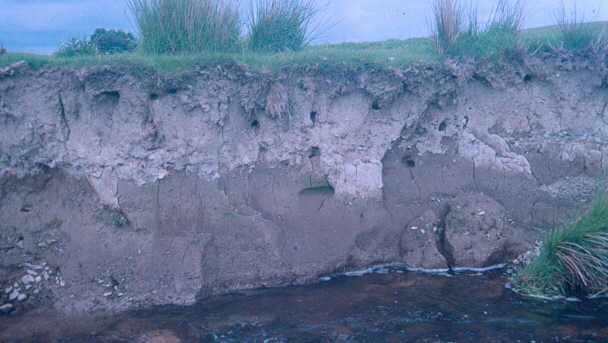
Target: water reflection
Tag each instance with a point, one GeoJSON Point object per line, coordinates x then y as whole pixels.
{"type": "Point", "coordinates": [378, 307]}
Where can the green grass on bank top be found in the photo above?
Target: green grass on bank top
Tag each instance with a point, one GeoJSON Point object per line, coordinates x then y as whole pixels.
{"type": "Point", "coordinates": [382, 54]}
{"type": "Point", "coordinates": [395, 53]}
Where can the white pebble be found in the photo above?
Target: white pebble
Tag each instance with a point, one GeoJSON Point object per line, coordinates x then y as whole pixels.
{"type": "Point", "coordinates": [8, 289]}
{"type": "Point", "coordinates": [13, 296]}
{"type": "Point", "coordinates": [31, 272]}
{"type": "Point", "coordinates": [38, 279]}
{"type": "Point", "coordinates": [481, 213]}
{"type": "Point", "coordinates": [34, 266]}
{"type": "Point", "coordinates": [22, 297]}
{"type": "Point", "coordinates": [414, 227]}
{"type": "Point", "coordinates": [62, 283]}
{"type": "Point", "coordinates": [27, 279]}
{"type": "Point", "coordinates": [107, 294]}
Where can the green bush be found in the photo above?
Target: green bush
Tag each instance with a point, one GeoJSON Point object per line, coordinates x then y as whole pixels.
{"type": "Point", "coordinates": [186, 26]}
{"type": "Point", "coordinates": [573, 259]}
{"type": "Point", "coordinates": [280, 25]}
{"type": "Point", "coordinates": [113, 41]}
{"type": "Point", "coordinates": [76, 47]}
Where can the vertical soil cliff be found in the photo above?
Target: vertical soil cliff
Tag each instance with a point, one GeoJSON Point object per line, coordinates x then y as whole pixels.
{"type": "Point", "coordinates": [120, 190]}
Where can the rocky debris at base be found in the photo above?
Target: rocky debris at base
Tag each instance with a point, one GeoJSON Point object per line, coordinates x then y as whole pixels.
{"type": "Point", "coordinates": [29, 283]}
{"type": "Point", "coordinates": [528, 256]}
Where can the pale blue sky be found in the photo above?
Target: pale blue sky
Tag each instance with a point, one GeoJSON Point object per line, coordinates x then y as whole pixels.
{"type": "Point", "coordinates": [39, 26]}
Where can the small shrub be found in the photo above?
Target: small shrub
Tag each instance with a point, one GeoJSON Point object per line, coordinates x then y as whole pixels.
{"type": "Point", "coordinates": [573, 259]}
{"type": "Point", "coordinates": [113, 41]}
{"type": "Point", "coordinates": [186, 26]}
{"type": "Point", "coordinates": [280, 25]}
{"type": "Point", "coordinates": [76, 47]}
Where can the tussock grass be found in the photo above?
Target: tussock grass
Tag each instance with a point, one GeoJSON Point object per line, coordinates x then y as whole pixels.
{"type": "Point", "coordinates": [576, 33]}
{"type": "Point", "coordinates": [280, 25]}
{"type": "Point", "coordinates": [457, 31]}
{"type": "Point", "coordinates": [448, 25]}
{"type": "Point", "coordinates": [573, 259]}
{"type": "Point", "coordinates": [186, 26]}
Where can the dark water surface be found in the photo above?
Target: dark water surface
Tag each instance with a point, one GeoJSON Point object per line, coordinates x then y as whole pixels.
{"type": "Point", "coordinates": [376, 307]}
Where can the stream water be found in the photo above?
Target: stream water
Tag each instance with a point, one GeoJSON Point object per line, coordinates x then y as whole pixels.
{"type": "Point", "coordinates": [383, 306]}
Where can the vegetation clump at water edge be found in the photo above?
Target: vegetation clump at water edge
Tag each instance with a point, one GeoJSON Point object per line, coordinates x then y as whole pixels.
{"type": "Point", "coordinates": [573, 259]}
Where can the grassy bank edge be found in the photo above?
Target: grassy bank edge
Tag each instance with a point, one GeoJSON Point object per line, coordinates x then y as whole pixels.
{"type": "Point", "coordinates": [381, 55]}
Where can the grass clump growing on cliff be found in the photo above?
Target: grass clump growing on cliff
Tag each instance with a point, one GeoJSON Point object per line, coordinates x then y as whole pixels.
{"type": "Point", "coordinates": [573, 259]}
{"type": "Point", "coordinates": [578, 34]}
{"type": "Point", "coordinates": [456, 30]}
{"type": "Point", "coordinates": [186, 26]}
{"type": "Point", "coordinates": [448, 26]}
{"type": "Point", "coordinates": [280, 25]}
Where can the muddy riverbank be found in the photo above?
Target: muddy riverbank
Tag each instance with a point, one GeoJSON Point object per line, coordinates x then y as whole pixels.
{"type": "Point", "coordinates": [134, 190]}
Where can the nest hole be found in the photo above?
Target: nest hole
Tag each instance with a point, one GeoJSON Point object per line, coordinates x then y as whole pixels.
{"type": "Point", "coordinates": [443, 126]}
{"type": "Point", "coordinates": [326, 191]}
{"type": "Point", "coordinates": [313, 117]}
{"type": "Point", "coordinates": [408, 162]}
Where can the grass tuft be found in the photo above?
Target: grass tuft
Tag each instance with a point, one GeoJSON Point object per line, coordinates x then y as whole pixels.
{"type": "Point", "coordinates": [447, 27]}
{"type": "Point", "coordinates": [573, 259]}
{"type": "Point", "coordinates": [186, 26]}
{"type": "Point", "coordinates": [280, 25]}
{"type": "Point", "coordinates": [577, 33]}
{"type": "Point", "coordinates": [457, 32]}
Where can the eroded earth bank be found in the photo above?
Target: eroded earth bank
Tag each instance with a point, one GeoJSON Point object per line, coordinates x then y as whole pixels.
{"type": "Point", "coordinates": [124, 189]}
